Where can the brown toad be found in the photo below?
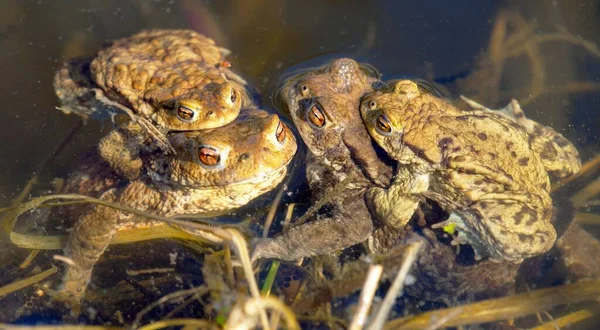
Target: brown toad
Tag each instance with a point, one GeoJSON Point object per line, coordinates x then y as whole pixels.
{"type": "Point", "coordinates": [480, 165]}
{"type": "Point", "coordinates": [165, 80]}
{"type": "Point", "coordinates": [215, 170]}
{"type": "Point", "coordinates": [323, 104]}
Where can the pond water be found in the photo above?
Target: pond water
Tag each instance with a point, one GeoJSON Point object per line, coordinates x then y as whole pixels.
{"type": "Point", "coordinates": [557, 82]}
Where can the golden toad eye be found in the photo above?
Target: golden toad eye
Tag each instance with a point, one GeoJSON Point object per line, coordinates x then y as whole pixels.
{"type": "Point", "coordinates": [280, 132]}
{"type": "Point", "coordinates": [209, 156]}
{"type": "Point", "coordinates": [316, 115]}
{"type": "Point", "coordinates": [382, 123]}
{"type": "Point", "coordinates": [372, 105]}
{"type": "Point", "coordinates": [185, 113]}
{"type": "Point", "coordinates": [233, 96]}
{"type": "Point", "coordinates": [304, 90]}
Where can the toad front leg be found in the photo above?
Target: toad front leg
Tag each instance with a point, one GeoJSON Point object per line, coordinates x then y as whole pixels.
{"type": "Point", "coordinates": [395, 205]}
{"type": "Point", "coordinates": [121, 150]}
{"type": "Point", "coordinates": [350, 224]}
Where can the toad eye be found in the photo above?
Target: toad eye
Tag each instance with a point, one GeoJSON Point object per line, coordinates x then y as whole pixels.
{"type": "Point", "coordinates": [280, 132]}
{"type": "Point", "coordinates": [382, 125]}
{"type": "Point", "coordinates": [209, 156]}
{"type": "Point", "coordinates": [185, 114]}
{"type": "Point", "coordinates": [233, 96]}
{"type": "Point", "coordinates": [372, 105]}
{"type": "Point", "coordinates": [304, 90]}
{"type": "Point", "coordinates": [316, 116]}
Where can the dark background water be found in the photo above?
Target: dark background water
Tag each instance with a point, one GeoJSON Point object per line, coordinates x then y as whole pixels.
{"type": "Point", "coordinates": [401, 38]}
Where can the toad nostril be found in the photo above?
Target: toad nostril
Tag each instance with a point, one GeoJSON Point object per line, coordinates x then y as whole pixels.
{"type": "Point", "coordinates": [244, 156]}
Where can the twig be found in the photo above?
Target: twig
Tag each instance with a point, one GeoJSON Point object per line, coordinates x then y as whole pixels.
{"type": "Point", "coordinates": [566, 320]}
{"type": "Point", "coordinates": [274, 267]}
{"type": "Point", "coordinates": [585, 218]}
{"type": "Point", "coordinates": [4, 326]}
{"type": "Point", "coordinates": [132, 272]}
{"type": "Point", "coordinates": [592, 203]}
{"type": "Point", "coordinates": [396, 288]}
{"type": "Point", "coordinates": [196, 323]}
{"type": "Point", "coordinates": [238, 318]}
{"type": "Point", "coordinates": [366, 297]}
{"type": "Point", "coordinates": [18, 285]}
{"type": "Point", "coordinates": [504, 308]}
{"type": "Point", "coordinates": [32, 254]}
{"type": "Point", "coordinates": [213, 234]}
{"type": "Point", "coordinates": [273, 210]}
{"type": "Point", "coordinates": [183, 305]}
{"type": "Point", "coordinates": [240, 247]}
{"type": "Point", "coordinates": [587, 167]}
{"type": "Point", "coordinates": [551, 320]}
{"type": "Point", "coordinates": [164, 299]}
{"type": "Point", "coordinates": [439, 323]}
{"type": "Point", "coordinates": [590, 190]}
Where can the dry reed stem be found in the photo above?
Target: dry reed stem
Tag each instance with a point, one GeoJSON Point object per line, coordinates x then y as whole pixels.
{"type": "Point", "coordinates": [57, 327]}
{"type": "Point", "coordinates": [241, 317]}
{"type": "Point", "coordinates": [273, 211]}
{"type": "Point", "coordinates": [503, 308]}
{"type": "Point", "coordinates": [595, 202]}
{"type": "Point", "coordinates": [209, 233]}
{"type": "Point", "coordinates": [18, 285]}
{"type": "Point", "coordinates": [196, 323]}
{"type": "Point", "coordinates": [590, 190]}
{"type": "Point", "coordinates": [395, 289]}
{"type": "Point", "coordinates": [239, 244]}
{"type": "Point", "coordinates": [524, 40]}
{"type": "Point", "coordinates": [32, 254]}
{"type": "Point", "coordinates": [366, 297]}
{"type": "Point", "coordinates": [584, 218]}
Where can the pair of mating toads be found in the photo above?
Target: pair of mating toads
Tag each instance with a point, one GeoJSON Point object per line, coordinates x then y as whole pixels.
{"type": "Point", "coordinates": [186, 150]}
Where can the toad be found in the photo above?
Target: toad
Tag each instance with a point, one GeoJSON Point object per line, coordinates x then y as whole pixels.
{"type": "Point", "coordinates": [165, 80]}
{"type": "Point", "coordinates": [323, 104]}
{"type": "Point", "coordinates": [480, 167]}
{"type": "Point", "coordinates": [215, 170]}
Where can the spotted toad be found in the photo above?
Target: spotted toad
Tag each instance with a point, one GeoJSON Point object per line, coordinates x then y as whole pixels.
{"type": "Point", "coordinates": [480, 166]}
{"type": "Point", "coordinates": [165, 80]}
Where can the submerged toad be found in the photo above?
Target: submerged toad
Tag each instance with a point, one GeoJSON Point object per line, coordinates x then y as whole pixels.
{"type": "Point", "coordinates": [165, 80]}
{"type": "Point", "coordinates": [480, 166]}
{"type": "Point", "coordinates": [323, 104]}
{"type": "Point", "coordinates": [214, 170]}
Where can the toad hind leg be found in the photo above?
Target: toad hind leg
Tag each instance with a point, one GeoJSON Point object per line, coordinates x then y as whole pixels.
{"type": "Point", "coordinates": [559, 156]}
{"type": "Point", "coordinates": [88, 240]}
{"type": "Point", "coordinates": [503, 230]}
{"type": "Point", "coordinates": [351, 224]}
